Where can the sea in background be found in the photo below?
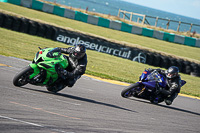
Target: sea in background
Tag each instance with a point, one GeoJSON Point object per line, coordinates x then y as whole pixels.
{"type": "Point", "coordinates": [112, 7]}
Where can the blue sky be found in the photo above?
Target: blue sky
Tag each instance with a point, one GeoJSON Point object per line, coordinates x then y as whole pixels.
{"type": "Point", "coordinates": [190, 8]}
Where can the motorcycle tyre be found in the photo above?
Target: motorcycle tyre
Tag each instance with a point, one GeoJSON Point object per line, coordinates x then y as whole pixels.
{"type": "Point", "coordinates": [20, 75]}
{"type": "Point", "coordinates": [123, 93]}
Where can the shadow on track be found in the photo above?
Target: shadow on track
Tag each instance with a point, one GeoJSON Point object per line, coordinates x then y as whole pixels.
{"type": "Point", "coordinates": [166, 106]}
{"type": "Point", "coordinates": [81, 99]}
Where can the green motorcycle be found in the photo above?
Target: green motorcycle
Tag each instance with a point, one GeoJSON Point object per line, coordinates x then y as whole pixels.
{"type": "Point", "coordinates": [42, 71]}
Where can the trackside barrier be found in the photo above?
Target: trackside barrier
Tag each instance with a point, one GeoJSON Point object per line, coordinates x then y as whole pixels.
{"type": "Point", "coordinates": [48, 8]}
{"type": "Point", "coordinates": [136, 30]}
{"type": "Point", "coordinates": [103, 22]}
{"type": "Point", "coordinates": [168, 37]}
{"type": "Point", "coordinates": [179, 39]}
{"type": "Point", "coordinates": [37, 5]}
{"type": "Point", "coordinates": [16, 2]}
{"type": "Point", "coordinates": [59, 11]}
{"type": "Point", "coordinates": [98, 44]}
{"type": "Point", "coordinates": [93, 20]}
{"type": "Point", "coordinates": [126, 27]}
{"type": "Point", "coordinates": [158, 34]}
{"type": "Point", "coordinates": [81, 16]}
{"type": "Point", "coordinates": [26, 3]}
{"type": "Point", "coordinates": [189, 41]}
{"type": "Point", "coordinates": [116, 25]}
{"type": "Point", "coordinates": [147, 32]}
{"type": "Point", "coordinates": [197, 43]}
{"type": "Point", "coordinates": [69, 14]}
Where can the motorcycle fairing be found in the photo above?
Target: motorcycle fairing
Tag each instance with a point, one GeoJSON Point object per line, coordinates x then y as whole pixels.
{"type": "Point", "coordinates": [41, 61]}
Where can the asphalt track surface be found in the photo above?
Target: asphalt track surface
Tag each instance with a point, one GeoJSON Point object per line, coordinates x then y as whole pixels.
{"type": "Point", "coordinates": [91, 106]}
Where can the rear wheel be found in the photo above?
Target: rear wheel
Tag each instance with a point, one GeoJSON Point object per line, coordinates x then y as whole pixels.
{"type": "Point", "coordinates": [130, 90]}
{"type": "Point", "coordinates": [22, 77]}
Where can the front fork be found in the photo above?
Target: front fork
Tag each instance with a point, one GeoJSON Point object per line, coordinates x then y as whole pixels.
{"type": "Point", "coordinates": [36, 76]}
{"type": "Point", "coordinates": [36, 70]}
{"type": "Point", "coordinates": [143, 88]}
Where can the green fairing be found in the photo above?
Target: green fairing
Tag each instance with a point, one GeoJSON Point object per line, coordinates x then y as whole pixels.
{"type": "Point", "coordinates": [36, 70]}
{"type": "Point", "coordinates": [41, 61]}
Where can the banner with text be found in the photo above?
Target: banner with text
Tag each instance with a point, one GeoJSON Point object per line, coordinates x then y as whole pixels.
{"type": "Point", "coordinates": [100, 45]}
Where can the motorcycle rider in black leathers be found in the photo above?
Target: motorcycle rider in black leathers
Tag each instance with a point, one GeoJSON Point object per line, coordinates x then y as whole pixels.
{"type": "Point", "coordinates": [172, 88]}
{"type": "Point", "coordinates": [77, 60]}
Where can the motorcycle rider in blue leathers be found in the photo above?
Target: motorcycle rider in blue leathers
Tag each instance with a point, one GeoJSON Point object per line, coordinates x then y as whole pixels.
{"type": "Point", "coordinates": [172, 88]}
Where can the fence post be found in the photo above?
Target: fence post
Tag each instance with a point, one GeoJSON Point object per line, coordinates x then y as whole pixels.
{"type": "Point", "coordinates": [124, 14]}
{"type": "Point", "coordinates": [178, 26]}
{"type": "Point", "coordinates": [144, 17]}
{"type": "Point", "coordinates": [131, 16]}
{"type": "Point", "coordinates": [190, 27]}
{"type": "Point", "coordinates": [156, 22]}
{"type": "Point", "coordinates": [168, 24]}
{"type": "Point", "coordinates": [138, 20]}
{"type": "Point", "coordinates": [119, 13]}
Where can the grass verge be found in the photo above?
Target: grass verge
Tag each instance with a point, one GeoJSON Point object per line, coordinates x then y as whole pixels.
{"type": "Point", "coordinates": [183, 51]}
{"type": "Point", "coordinates": [99, 64]}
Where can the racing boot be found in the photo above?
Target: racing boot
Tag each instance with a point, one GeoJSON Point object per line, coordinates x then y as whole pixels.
{"type": "Point", "coordinates": [168, 102]}
{"type": "Point", "coordinates": [156, 100]}
{"type": "Point", "coordinates": [170, 98]}
{"type": "Point", "coordinates": [55, 88]}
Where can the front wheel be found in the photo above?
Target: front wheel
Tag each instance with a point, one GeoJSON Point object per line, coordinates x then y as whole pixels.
{"type": "Point", "coordinates": [130, 90]}
{"type": "Point", "coordinates": [21, 78]}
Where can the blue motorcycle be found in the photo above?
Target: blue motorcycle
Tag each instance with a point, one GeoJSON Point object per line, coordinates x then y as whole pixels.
{"type": "Point", "coordinates": [147, 86]}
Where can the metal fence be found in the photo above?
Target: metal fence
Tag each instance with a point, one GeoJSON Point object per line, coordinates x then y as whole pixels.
{"type": "Point", "coordinates": [141, 18]}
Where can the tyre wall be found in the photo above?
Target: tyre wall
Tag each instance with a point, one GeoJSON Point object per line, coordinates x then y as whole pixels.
{"type": "Point", "coordinates": [99, 21]}
{"type": "Point", "coordinates": [96, 43]}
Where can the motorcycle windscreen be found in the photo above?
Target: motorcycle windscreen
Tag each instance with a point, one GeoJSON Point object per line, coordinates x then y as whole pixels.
{"type": "Point", "coordinates": [144, 75]}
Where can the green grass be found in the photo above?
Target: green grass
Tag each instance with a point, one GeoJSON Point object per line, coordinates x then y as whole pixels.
{"type": "Point", "coordinates": [25, 46]}
{"type": "Point", "coordinates": [99, 64]}
{"type": "Point", "coordinates": [187, 52]}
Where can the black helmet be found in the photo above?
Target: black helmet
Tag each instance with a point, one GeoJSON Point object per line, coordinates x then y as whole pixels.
{"type": "Point", "coordinates": [79, 51]}
{"type": "Point", "coordinates": [172, 72]}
